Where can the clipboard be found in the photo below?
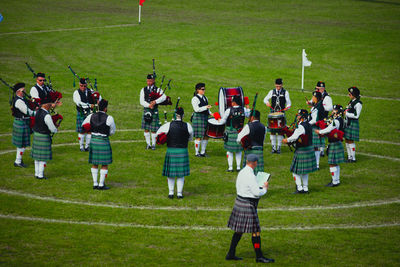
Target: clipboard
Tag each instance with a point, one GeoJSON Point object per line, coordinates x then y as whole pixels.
{"type": "Point", "coordinates": [262, 177]}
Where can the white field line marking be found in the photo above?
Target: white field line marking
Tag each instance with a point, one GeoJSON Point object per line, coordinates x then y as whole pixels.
{"type": "Point", "coordinates": [70, 29]}
{"type": "Point", "coordinates": [200, 228]}
{"type": "Point", "coordinates": [378, 156]}
{"type": "Point", "coordinates": [118, 206]}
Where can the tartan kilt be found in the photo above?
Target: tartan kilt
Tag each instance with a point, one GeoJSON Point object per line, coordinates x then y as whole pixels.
{"type": "Point", "coordinates": [304, 160]}
{"type": "Point", "coordinates": [260, 163]}
{"type": "Point", "coordinates": [21, 135]}
{"type": "Point", "coordinates": [100, 152]}
{"type": "Point", "coordinates": [231, 145]}
{"type": "Point", "coordinates": [154, 124]}
{"type": "Point", "coordinates": [199, 123]}
{"type": "Point", "coordinates": [352, 131]}
{"type": "Point", "coordinates": [244, 217]}
{"type": "Point", "coordinates": [176, 163]}
{"type": "Point", "coordinates": [79, 120]}
{"type": "Point", "coordinates": [335, 153]}
{"type": "Point", "coordinates": [41, 147]}
{"type": "Point", "coordinates": [316, 140]}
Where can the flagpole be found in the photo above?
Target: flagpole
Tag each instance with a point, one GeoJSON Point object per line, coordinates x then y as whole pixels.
{"type": "Point", "coordinates": [140, 11]}
{"type": "Point", "coordinates": [302, 71]}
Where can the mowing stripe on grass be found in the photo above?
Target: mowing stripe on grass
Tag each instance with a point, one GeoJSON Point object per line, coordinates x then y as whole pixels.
{"type": "Point", "coordinates": [197, 228]}
{"type": "Point", "coordinates": [70, 29]}
{"type": "Point", "coordinates": [119, 206]}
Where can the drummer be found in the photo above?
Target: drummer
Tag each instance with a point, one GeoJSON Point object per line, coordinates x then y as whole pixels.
{"type": "Point", "coordinates": [277, 100]}
{"type": "Point", "coordinates": [200, 119]}
{"type": "Point", "coordinates": [234, 120]}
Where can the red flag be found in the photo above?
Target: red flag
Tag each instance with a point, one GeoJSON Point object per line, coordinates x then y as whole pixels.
{"type": "Point", "coordinates": [141, 2]}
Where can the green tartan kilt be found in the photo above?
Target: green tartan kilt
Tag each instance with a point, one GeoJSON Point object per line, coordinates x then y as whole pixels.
{"type": "Point", "coordinates": [352, 132]}
{"type": "Point", "coordinates": [154, 124]}
{"type": "Point", "coordinates": [304, 160]}
{"type": "Point", "coordinates": [316, 140]}
{"type": "Point", "coordinates": [335, 153]}
{"type": "Point", "coordinates": [231, 145]}
{"type": "Point", "coordinates": [79, 120]}
{"type": "Point", "coordinates": [41, 147]}
{"type": "Point", "coordinates": [176, 163]}
{"type": "Point", "coordinates": [199, 123]}
{"type": "Point", "coordinates": [100, 152]}
{"type": "Point", "coordinates": [21, 136]}
{"type": "Point", "coordinates": [260, 163]}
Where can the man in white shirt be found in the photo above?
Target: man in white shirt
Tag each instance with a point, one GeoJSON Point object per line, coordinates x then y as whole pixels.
{"type": "Point", "coordinates": [352, 129]}
{"type": "Point", "coordinates": [40, 90]}
{"type": "Point", "coordinates": [244, 217]}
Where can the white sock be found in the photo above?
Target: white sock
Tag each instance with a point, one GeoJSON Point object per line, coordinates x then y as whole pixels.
{"type": "Point", "coordinates": [88, 138]}
{"type": "Point", "coordinates": [273, 138]}
{"type": "Point", "coordinates": [353, 150]}
{"type": "Point", "coordinates": [203, 146]}
{"type": "Point", "coordinates": [171, 185]}
{"type": "Point", "coordinates": [321, 149]}
{"type": "Point", "coordinates": [348, 150]}
{"type": "Point", "coordinates": [179, 185]}
{"type": "Point", "coordinates": [147, 138]}
{"type": "Point", "coordinates": [18, 158]}
{"type": "Point", "coordinates": [197, 146]}
{"type": "Point", "coordinates": [36, 168]}
{"type": "Point", "coordinates": [297, 180]}
{"type": "Point", "coordinates": [41, 169]}
{"type": "Point", "coordinates": [304, 178]}
{"type": "Point", "coordinates": [81, 140]}
{"type": "Point", "coordinates": [280, 138]}
{"type": "Point", "coordinates": [338, 174]}
{"type": "Point", "coordinates": [238, 159]}
{"type": "Point", "coordinates": [230, 160]}
{"type": "Point", "coordinates": [333, 171]}
{"type": "Point", "coordinates": [317, 155]}
{"type": "Point", "coordinates": [103, 175]}
{"type": "Point", "coordinates": [95, 172]}
{"type": "Point", "coordinates": [153, 138]}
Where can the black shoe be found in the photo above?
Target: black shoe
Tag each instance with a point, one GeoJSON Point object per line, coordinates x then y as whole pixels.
{"type": "Point", "coordinates": [104, 187]}
{"type": "Point", "coordinates": [228, 170]}
{"type": "Point", "coordinates": [317, 168]}
{"type": "Point", "coordinates": [264, 260]}
{"type": "Point", "coordinates": [234, 258]}
{"type": "Point", "coordinates": [273, 151]}
{"type": "Point", "coordinates": [148, 147]}
{"type": "Point", "coordinates": [95, 187]}
{"type": "Point", "coordinates": [41, 178]}
{"type": "Point", "coordinates": [86, 149]}
{"type": "Point", "coordinates": [298, 192]}
{"type": "Point", "coordinates": [278, 151]}
{"type": "Point", "coordinates": [322, 154]}
{"type": "Point", "coordinates": [82, 149]}
{"type": "Point", "coordinates": [198, 155]}
{"type": "Point", "coordinates": [170, 196]}
{"type": "Point", "coordinates": [330, 185]}
{"type": "Point", "coordinates": [238, 170]}
{"type": "Point", "coordinates": [153, 147]}
{"type": "Point", "coordinates": [204, 155]}
{"type": "Point", "coordinates": [305, 192]}
{"type": "Point", "coordinates": [349, 161]}
{"type": "Point", "coordinates": [353, 161]}
{"type": "Point", "coordinates": [179, 197]}
{"type": "Point", "coordinates": [22, 165]}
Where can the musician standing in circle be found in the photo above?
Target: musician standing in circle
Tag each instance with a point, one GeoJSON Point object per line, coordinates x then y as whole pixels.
{"type": "Point", "coordinates": [253, 134]}
{"type": "Point", "coordinates": [176, 163]}
{"type": "Point", "coordinates": [102, 126]}
{"type": "Point", "coordinates": [326, 103]}
{"type": "Point", "coordinates": [21, 136]}
{"type": "Point", "coordinates": [352, 129]}
{"type": "Point", "coordinates": [40, 90]}
{"type": "Point", "coordinates": [277, 100]}
{"type": "Point", "coordinates": [304, 158]}
{"type": "Point", "coordinates": [335, 147]}
{"type": "Point", "coordinates": [234, 120]}
{"type": "Point", "coordinates": [317, 114]}
{"type": "Point", "coordinates": [84, 106]}
{"type": "Point", "coordinates": [150, 97]}
{"type": "Point", "coordinates": [200, 119]}
{"type": "Point", "coordinates": [41, 147]}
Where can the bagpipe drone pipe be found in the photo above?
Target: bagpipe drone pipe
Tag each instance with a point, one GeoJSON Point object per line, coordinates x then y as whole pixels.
{"type": "Point", "coordinates": [155, 95]}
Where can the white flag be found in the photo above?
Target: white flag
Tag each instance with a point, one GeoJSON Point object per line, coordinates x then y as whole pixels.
{"type": "Point", "coordinates": [306, 62]}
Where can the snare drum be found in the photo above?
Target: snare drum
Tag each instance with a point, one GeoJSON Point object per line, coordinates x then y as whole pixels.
{"type": "Point", "coordinates": [276, 120]}
{"type": "Point", "coordinates": [225, 98]}
{"type": "Point", "coordinates": [215, 129]}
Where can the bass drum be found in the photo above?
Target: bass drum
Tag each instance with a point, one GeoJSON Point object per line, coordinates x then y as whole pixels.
{"type": "Point", "coordinates": [225, 98]}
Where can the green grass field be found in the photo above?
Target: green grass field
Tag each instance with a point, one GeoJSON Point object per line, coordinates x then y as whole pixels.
{"type": "Point", "coordinates": [62, 221]}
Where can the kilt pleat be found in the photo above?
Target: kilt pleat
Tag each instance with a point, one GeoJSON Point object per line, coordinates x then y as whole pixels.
{"type": "Point", "coordinates": [352, 131]}
{"type": "Point", "coordinates": [21, 135]}
{"type": "Point", "coordinates": [260, 163]}
{"type": "Point", "coordinates": [41, 147]}
{"type": "Point", "coordinates": [317, 141]}
{"type": "Point", "coordinates": [199, 123]}
{"type": "Point", "coordinates": [304, 160]}
{"type": "Point", "coordinates": [100, 152]}
{"type": "Point", "coordinates": [244, 217]}
{"type": "Point", "coordinates": [79, 120]}
{"type": "Point", "coordinates": [154, 125]}
{"type": "Point", "coordinates": [231, 145]}
{"type": "Point", "coordinates": [176, 163]}
{"type": "Point", "coordinates": [335, 153]}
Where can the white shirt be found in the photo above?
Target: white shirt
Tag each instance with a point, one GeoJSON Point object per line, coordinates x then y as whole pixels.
{"type": "Point", "coordinates": [228, 111]}
{"type": "Point", "coordinates": [34, 92]}
{"type": "Point", "coordinates": [269, 96]}
{"type": "Point", "coordinates": [246, 184]}
{"type": "Point", "coordinates": [196, 103]}
{"type": "Point", "coordinates": [109, 122]}
{"type": "Point", "coordinates": [78, 101]}
{"type": "Point", "coordinates": [246, 131]}
{"type": "Point", "coordinates": [20, 104]}
{"type": "Point", "coordinates": [327, 103]}
{"type": "Point", "coordinates": [296, 134]}
{"type": "Point", "coordinates": [159, 100]}
{"type": "Point", "coordinates": [358, 108]}
{"type": "Point", "coordinates": [49, 122]}
{"type": "Point", "coordinates": [330, 127]}
{"type": "Point", "coordinates": [165, 129]}
{"type": "Point", "coordinates": [314, 114]}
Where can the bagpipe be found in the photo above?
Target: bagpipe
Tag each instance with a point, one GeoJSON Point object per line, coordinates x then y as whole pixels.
{"type": "Point", "coordinates": [334, 135]}
{"type": "Point", "coordinates": [162, 137]}
{"type": "Point", "coordinates": [155, 95]}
